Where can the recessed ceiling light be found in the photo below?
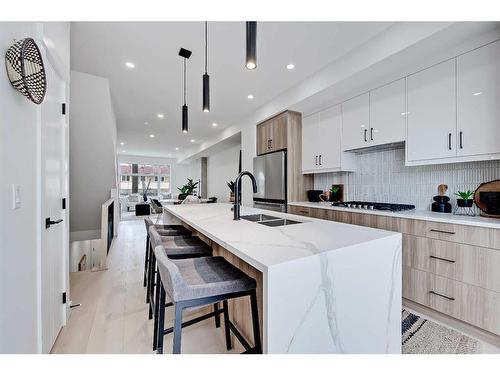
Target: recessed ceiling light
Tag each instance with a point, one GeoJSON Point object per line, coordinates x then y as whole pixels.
{"type": "Point", "coordinates": [192, 140]}
{"type": "Point", "coordinates": [130, 65]}
{"type": "Point", "coordinates": [290, 66]}
{"type": "Point", "coordinates": [214, 124]}
{"type": "Point", "coordinates": [151, 136]}
{"type": "Point", "coordinates": [160, 115]}
{"type": "Point", "coordinates": [122, 143]}
{"type": "Point", "coordinates": [477, 93]}
{"type": "Point", "coordinates": [177, 149]}
{"type": "Point", "coordinates": [145, 122]}
{"type": "Point", "coordinates": [124, 151]}
{"type": "Point", "coordinates": [250, 96]}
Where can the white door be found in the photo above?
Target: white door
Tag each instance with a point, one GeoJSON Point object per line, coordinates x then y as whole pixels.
{"type": "Point", "coordinates": [53, 237]}
{"type": "Point", "coordinates": [310, 142]}
{"type": "Point", "coordinates": [387, 113]}
{"type": "Point", "coordinates": [356, 122]}
{"type": "Point", "coordinates": [431, 117]}
{"type": "Point", "coordinates": [478, 101]}
{"type": "Point", "coordinates": [330, 137]}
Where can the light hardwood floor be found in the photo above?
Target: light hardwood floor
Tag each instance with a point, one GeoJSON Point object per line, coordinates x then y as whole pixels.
{"type": "Point", "coordinates": [114, 316]}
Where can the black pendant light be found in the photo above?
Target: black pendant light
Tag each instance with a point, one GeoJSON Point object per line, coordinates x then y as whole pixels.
{"type": "Point", "coordinates": [186, 54]}
{"type": "Point", "coordinates": [251, 62]}
{"type": "Point", "coordinates": [206, 77]}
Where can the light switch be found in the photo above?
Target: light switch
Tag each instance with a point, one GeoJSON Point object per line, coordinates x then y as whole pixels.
{"type": "Point", "coordinates": [16, 196]}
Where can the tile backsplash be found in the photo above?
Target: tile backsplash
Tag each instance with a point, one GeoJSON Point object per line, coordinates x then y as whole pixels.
{"type": "Point", "coordinates": [383, 177]}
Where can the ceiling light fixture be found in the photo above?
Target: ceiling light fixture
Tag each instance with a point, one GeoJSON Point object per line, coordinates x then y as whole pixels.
{"type": "Point", "coordinates": [130, 65]}
{"type": "Point", "coordinates": [250, 96]}
{"type": "Point", "coordinates": [151, 136]}
{"type": "Point", "coordinates": [251, 62]}
{"type": "Point", "coordinates": [477, 93]}
{"type": "Point", "coordinates": [192, 140]}
{"type": "Point", "coordinates": [122, 143]}
{"type": "Point", "coordinates": [290, 66]}
{"type": "Point", "coordinates": [206, 77]}
{"type": "Point", "coordinates": [124, 151]}
{"type": "Point", "coordinates": [159, 115]}
{"type": "Point", "coordinates": [185, 54]}
{"type": "Point", "coordinates": [177, 149]}
{"type": "Point", "coordinates": [145, 123]}
{"type": "Point", "coordinates": [214, 124]}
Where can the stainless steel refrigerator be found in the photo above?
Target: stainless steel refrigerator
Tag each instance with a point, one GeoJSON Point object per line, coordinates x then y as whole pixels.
{"type": "Point", "coordinates": [270, 172]}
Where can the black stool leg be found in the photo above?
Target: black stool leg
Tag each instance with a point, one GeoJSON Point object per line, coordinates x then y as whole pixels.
{"type": "Point", "coordinates": [227, 330]}
{"type": "Point", "coordinates": [177, 329]}
{"type": "Point", "coordinates": [148, 281]}
{"type": "Point", "coordinates": [161, 320]}
{"type": "Point", "coordinates": [255, 322]}
{"type": "Point", "coordinates": [146, 260]}
{"type": "Point", "coordinates": [152, 268]}
{"type": "Point", "coordinates": [157, 307]}
{"type": "Point", "coordinates": [217, 316]}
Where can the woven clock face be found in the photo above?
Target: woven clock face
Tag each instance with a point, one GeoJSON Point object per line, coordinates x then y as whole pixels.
{"type": "Point", "coordinates": [25, 69]}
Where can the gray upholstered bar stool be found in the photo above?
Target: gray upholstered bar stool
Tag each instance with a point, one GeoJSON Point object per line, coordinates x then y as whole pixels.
{"type": "Point", "coordinates": [163, 230]}
{"type": "Point", "coordinates": [176, 247]}
{"type": "Point", "coordinates": [199, 282]}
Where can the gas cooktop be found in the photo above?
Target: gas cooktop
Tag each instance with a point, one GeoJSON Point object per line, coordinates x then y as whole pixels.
{"type": "Point", "coordinates": [375, 206]}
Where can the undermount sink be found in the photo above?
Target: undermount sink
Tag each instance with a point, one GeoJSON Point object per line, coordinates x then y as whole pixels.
{"type": "Point", "coordinates": [259, 217]}
{"type": "Point", "coordinates": [279, 222]}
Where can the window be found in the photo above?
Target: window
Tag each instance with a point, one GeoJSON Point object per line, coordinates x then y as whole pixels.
{"type": "Point", "coordinates": [136, 178]}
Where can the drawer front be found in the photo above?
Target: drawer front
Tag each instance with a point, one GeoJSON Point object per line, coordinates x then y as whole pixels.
{"type": "Point", "coordinates": [477, 236]}
{"type": "Point", "coordinates": [470, 264]}
{"type": "Point", "coordinates": [474, 305]}
{"type": "Point", "coordinates": [299, 210]}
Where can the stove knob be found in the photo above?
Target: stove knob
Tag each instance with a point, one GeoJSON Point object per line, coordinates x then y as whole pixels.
{"type": "Point", "coordinates": [365, 207]}
{"type": "Point", "coordinates": [371, 207]}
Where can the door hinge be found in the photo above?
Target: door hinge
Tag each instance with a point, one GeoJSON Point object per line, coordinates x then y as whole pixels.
{"type": "Point", "coordinates": [63, 205]}
{"type": "Point", "coordinates": [63, 108]}
{"type": "Point", "coordinates": [64, 298]}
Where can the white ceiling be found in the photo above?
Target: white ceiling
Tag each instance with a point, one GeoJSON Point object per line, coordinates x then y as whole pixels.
{"type": "Point", "coordinates": [155, 84]}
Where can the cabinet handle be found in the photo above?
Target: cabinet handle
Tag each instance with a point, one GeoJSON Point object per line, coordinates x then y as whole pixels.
{"type": "Point", "coordinates": [316, 162]}
{"type": "Point", "coordinates": [461, 141]}
{"type": "Point", "coordinates": [371, 134]}
{"type": "Point", "coordinates": [439, 258]}
{"type": "Point", "coordinates": [366, 130]}
{"type": "Point", "coordinates": [449, 141]}
{"type": "Point", "coordinates": [441, 295]}
{"type": "Point", "coordinates": [271, 143]}
{"type": "Point", "coordinates": [320, 160]}
{"type": "Point", "coordinates": [441, 231]}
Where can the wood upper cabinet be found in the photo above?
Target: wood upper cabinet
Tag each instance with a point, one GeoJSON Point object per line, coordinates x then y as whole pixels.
{"type": "Point", "coordinates": [387, 114]}
{"type": "Point", "coordinates": [478, 106]}
{"type": "Point", "coordinates": [431, 117]}
{"type": "Point", "coordinates": [272, 134]}
{"type": "Point", "coordinates": [356, 122]}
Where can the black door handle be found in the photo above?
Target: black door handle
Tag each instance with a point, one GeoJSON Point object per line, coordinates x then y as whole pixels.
{"type": "Point", "coordinates": [320, 160]}
{"type": "Point", "coordinates": [316, 159]}
{"type": "Point", "coordinates": [461, 140]}
{"type": "Point", "coordinates": [449, 141]}
{"type": "Point", "coordinates": [366, 130]}
{"type": "Point", "coordinates": [371, 134]}
{"type": "Point", "coordinates": [49, 222]}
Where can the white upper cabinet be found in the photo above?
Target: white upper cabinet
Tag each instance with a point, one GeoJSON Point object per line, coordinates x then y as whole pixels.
{"type": "Point", "coordinates": [330, 130]}
{"type": "Point", "coordinates": [356, 122]}
{"type": "Point", "coordinates": [478, 101]}
{"type": "Point", "coordinates": [431, 113]}
{"type": "Point", "coordinates": [322, 143]}
{"type": "Point", "coordinates": [310, 142]}
{"type": "Point", "coordinates": [387, 114]}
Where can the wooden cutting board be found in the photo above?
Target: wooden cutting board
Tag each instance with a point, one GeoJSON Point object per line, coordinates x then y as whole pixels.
{"type": "Point", "coordinates": [487, 187]}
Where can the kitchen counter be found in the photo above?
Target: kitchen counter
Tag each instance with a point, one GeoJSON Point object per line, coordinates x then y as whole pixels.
{"type": "Point", "coordinates": [478, 221]}
{"type": "Point", "coordinates": [328, 287]}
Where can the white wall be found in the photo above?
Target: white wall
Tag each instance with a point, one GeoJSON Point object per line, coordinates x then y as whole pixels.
{"type": "Point", "coordinates": [222, 167]}
{"type": "Point", "coordinates": [20, 229]}
{"type": "Point", "coordinates": [92, 153]}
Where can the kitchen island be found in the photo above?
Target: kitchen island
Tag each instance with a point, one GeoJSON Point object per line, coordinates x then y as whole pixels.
{"type": "Point", "coordinates": [325, 287]}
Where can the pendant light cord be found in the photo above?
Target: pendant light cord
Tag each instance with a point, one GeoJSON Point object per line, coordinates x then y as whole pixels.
{"type": "Point", "coordinates": [206, 47]}
{"type": "Point", "coordinates": [184, 81]}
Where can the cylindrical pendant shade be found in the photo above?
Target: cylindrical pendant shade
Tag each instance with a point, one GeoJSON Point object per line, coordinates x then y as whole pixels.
{"type": "Point", "coordinates": [184, 118]}
{"type": "Point", "coordinates": [251, 62]}
{"type": "Point", "coordinates": [206, 93]}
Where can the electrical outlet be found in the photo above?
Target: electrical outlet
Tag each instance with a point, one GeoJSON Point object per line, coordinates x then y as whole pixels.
{"type": "Point", "coordinates": [16, 197]}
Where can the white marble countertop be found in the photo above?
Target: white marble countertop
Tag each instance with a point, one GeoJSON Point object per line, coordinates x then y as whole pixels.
{"type": "Point", "coordinates": [478, 221]}
{"type": "Point", "coordinates": [262, 246]}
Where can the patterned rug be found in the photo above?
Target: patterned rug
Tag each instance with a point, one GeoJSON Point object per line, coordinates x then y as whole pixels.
{"type": "Point", "coordinates": [422, 336]}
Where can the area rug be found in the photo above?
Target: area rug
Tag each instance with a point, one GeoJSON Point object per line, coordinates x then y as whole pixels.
{"type": "Point", "coordinates": [422, 336]}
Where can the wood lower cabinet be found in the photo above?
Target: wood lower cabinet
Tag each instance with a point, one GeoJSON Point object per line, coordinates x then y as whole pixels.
{"type": "Point", "coordinates": [453, 269]}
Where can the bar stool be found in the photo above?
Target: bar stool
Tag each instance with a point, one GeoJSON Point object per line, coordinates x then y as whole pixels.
{"type": "Point", "coordinates": [176, 247]}
{"type": "Point", "coordinates": [199, 282]}
{"type": "Point", "coordinates": [163, 230]}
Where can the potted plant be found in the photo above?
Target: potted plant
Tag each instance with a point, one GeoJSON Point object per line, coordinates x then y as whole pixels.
{"type": "Point", "coordinates": [335, 193]}
{"type": "Point", "coordinates": [464, 198]}
{"type": "Point", "coordinates": [187, 189]}
{"type": "Point", "coordinates": [230, 185]}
